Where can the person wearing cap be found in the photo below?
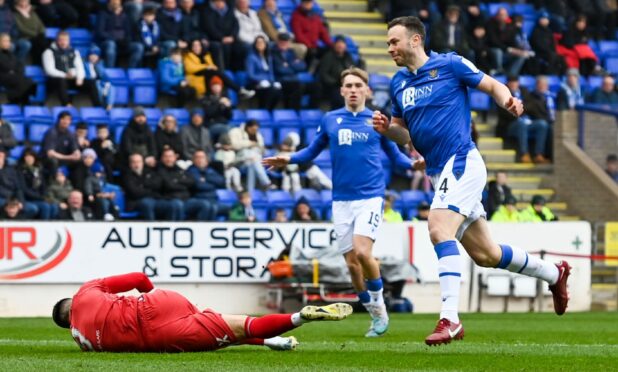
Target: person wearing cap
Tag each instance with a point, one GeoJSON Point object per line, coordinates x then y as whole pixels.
{"type": "Point", "coordinates": [571, 93]}
{"type": "Point", "coordinates": [137, 138]}
{"type": "Point", "coordinates": [287, 66]}
{"type": "Point", "coordinates": [7, 137]}
{"type": "Point", "coordinates": [64, 69]}
{"type": "Point", "coordinates": [217, 109]}
{"type": "Point", "coordinates": [544, 46]}
{"type": "Point", "coordinates": [59, 145]}
{"type": "Point", "coordinates": [507, 212]}
{"type": "Point", "coordinates": [308, 29]}
{"type": "Point", "coordinates": [114, 35]}
{"type": "Point", "coordinates": [273, 24]}
{"type": "Point", "coordinates": [449, 35]}
{"type": "Point", "coordinates": [95, 72]}
{"type": "Point", "coordinates": [12, 78]}
{"type": "Point", "coordinates": [611, 166]}
{"type": "Point", "coordinates": [59, 188]}
{"type": "Point", "coordinates": [332, 64]}
{"type": "Point", "coordinates": [195, 136]}
{"type": "Point", "coordinates": [537, 211]}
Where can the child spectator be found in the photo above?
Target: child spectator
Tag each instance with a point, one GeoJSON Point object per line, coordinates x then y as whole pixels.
{"type": "Point", "coordinates": [303, 212]}
{"type": "Point", "coordinates": [537, 211]}
{"type": "Point", "coordinates": [243, 210]}
{"type": "Point", "coordinates": [290, 180]}
{"type": "Point", "coordinates": [149, 34]}
{"type": "Point", "coordinates": [81, 134]}
{"type": "Point", "coordinates": [260, 74]}
{"type": "Point", "coordinates": [95, 71]}
{"type": "Point", "coordinates": [226, 155]}
{"type": "Point", "coordinates": [95, 189]}
{"type": "Point", "coordinates": [391, 215]}
{"type": "Point", "coordinates": [60, 188]}
{"type": "Point", "coordinates": [172, 78]}
{"type": "Point", "coordinates": [280, 215]}
{"type": "Point", "coordinates": [105, 149]}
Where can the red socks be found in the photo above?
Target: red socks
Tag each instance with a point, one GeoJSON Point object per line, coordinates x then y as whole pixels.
{"type": "Point", "coordinates": [268, 326]}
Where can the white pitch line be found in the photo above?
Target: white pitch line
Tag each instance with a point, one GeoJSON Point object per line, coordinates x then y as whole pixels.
{"type": "Point", "coordinates": [15, 341]}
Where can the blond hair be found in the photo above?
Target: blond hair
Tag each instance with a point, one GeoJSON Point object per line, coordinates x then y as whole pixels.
{"type": "Point", "coordinates": [355, 71]}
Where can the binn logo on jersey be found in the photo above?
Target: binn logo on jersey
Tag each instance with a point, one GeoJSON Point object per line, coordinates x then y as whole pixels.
{"type": "Point", "coordinates": [347, 136]}
{"type": "Point", "coordinates": [412, 94]}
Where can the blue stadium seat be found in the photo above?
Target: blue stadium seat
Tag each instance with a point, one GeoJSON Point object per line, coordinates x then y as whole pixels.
{"type": "Point", "coordinates": [327, 196]}
{"type": "Point", "coordinates": [429, 196]}
{"type": "Point", "coordinates": [312, 195]}
{"type": "Point", "coordinates": [412, 198]}
{"type": "Point", "coordinates": [305, 77]}
{"type": "Point", "coordinates": [285, 117]}
{"type": "Point", "coordinates": [145, 95]}
{"type": "Point", "coordinates": [37, 131]}
{"type": "Point", "coordinates": [227, 197]}
{"type": "Point", "coordinates": [309, 135]}
{"type": "Point", "coordinates": [286, 6]}
{"type": "Point", "coordinates": [56, 110]}
{"type": "Point", "coordinates": [268, 133]}
{"type": "Point", "coordinates": [119, 200]}
{"type": "Point", "coordinates": [121, 95]}
{"type": "Point", "coordinates": [608, 48]}
{"type": "Point", "coordinates": [611, 65]}
{"type": "Point", "coordinates": [120, 116]}
{"type": "Point", "coordinates": [37, 74]}
{"type": "Point", "coordinates": [95, 115]}
{"type": "Point", "coordinates": [492, 8]}
{"type": "Point", "coordinates": [38, 114]}
{"type": "Point", "coordinates": [118, 133]}
{"type": "Point", "coordinates": [527, 82]}
{"type": "Point", "coordinates": [554, 83]}
{"type": "Point", "coordinates": [259, 199]}
{"type": "Point", "coordinates": [261, 214]}
{"type": "Point", "coordinates": [238, 117]}
{"type": "Point", "coordinates": [141, 76]}
{"type": "Point", "coordinates": [279, 199]}
{"type": "Point", "coordinates": [19, 131]}
{"type": "Point", "coordinates": [51, 32]}
{"type": "Point", "coordinates": [153, 115]}
{"type": "Point", "coordinates": [594, 82]}
{"type": "Point", "coordinates": [241, 78]}
{"type": "Point", "coordinates": [182, 116]}
{"type": "Point", "coordinates": [16, 152]}
{"type": "Point", "coordinates": [12, 113]}
{"type": "Point", "coordinates": [327, 202]}
{"type": "Point", "coordinates": [80, 37]}
{"type": "Point", "coordinates": [323, 160]}
{"type": "Point", "coordinates": [116, 76]}
{"type": "Point", "coordinates": [479, 101]}
{"type": "Point", "coordinates": [311, 117]}
{"type": "Point", "coordinates": [262, 116]}
{"type": "Point", "coordinates": [523, 9]}
{"type": "Point", "coordinates": [377, 81]}
{"type": "Point", "coordinates": [284, 131]}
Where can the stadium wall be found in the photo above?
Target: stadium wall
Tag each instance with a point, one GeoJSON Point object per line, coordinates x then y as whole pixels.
{"type": "Point", "coordinates": [222, 265]}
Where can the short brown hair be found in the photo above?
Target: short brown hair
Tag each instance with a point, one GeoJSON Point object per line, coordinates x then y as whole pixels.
{"type": "Point", "coordinates": [411, 23]}
{"type": "Point", "coordinates": [362, 74]}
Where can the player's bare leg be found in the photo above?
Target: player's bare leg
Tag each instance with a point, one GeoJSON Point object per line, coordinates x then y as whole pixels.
{"type": "Point", "coordinates": [443, 226]}
{"type": "Point", "coordinates": [485, 252]}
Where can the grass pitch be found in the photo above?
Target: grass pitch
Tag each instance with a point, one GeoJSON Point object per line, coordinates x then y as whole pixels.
{"type": "Point", "coordinates": [496, 342]}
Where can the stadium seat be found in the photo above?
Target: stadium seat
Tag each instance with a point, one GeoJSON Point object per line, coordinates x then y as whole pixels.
{"type": "Point", "coordinates": [12, 113]}
{"type": "Point", "coordinates": [527, 82]}
{"type": "Point", "coordinates": [305, 77]}
{"type": "Point", "coordinates": [118, 133]}
{"type": "Point", "coordinates": [182, 116]}
{"type": "Point", "coordinates": [554, 83]}
{"type": "Point", "coordinates": [56, 110]}
{"type": "Point", "coordinates": [523, 9]}
{"type": "Point", "coordinates": [116, 76]}
{"type": "Point", "coordinates": [323, 160]}
{"type": "Point", "coordinates": [153, 115]}
{"type": "Point", "coordinates": [279, 199]}
{"type": "Point", "coordinates": [493, 8]}
{"type": "Point", "coordinates": [119, 200]}
{"type": "Point", "coordinates": [121, 95]}
{"type": "Point", "coordinates": [312, 195]}
{"type": "Point", "coordinates": [259, 199]}
{"type": "Point", "coordinates": [19, 131]}
{"type": "Point", "coordinates": [38, 114]}
{"type": "Point", "coordinates": [227, 197]}
{"type": "Point", "coordinates": [241, 78]}
{"type": "Point", "coordinates": [80, 37]}
{"type": "Point", "coordinates": [311, 117]}
{"type": "Point", "coordinates": [37, 74]}
{"type": "Point", "coordinates": [479, 101]}
{"type": "Point", "coordinates": [284, 131]}
{"type": "Point", "coordinates": [51, 32]}
{"type": "Point", "coordinates": [327, 196]}
{"type": "Point", "coordinates": [285, 117]}
{"type": "Point", "coordinates": [268, 133]}
{"type": "Point", "coordinates": [594, 82]}
{"type": "Point", "coordinates": [261, 214]}
{"type": "Point", "coordinates": [120, 116]}
{"type": "Point", "coordinates": [429, 196]}
{"type": "Point", "coordinates": [611, 65]}
{"type": "Point", "coordinates": [238, 117]}
{"type": "Point", "coordinates": [145, 95]}
{"type": "Point", "coordinates": [309, 135]}
{"type": "Point", "coordinates": [608, 48]}
{"type": "Point", "coordinates": [16, 152]}
{"type": "Point", "coordinates": [262, 116]}
{"type": "Point", "coordinates": [377, 81]}
{"type": "Point", "coordinates": [412, 198]}
{"type": "Point", "coordinates": [94, 115]}
{"type": "Point", "coordinates": [37, 131]}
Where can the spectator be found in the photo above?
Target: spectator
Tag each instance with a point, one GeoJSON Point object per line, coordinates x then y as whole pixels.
{"type": "Point", "coordinates": [611, 167]}
{"type": "Point", "coordinates": [137, 138]}
{"type": "Point", "coordinates": [501, 39]}
{"type": "Point", "coordinates": [167, 135]}
{"type": "Point", "coordinates": [65, 69]}
{"type": "Point", "coordinates": [7, 137]}
{"type": "Point", "coordinates": [95, 72]}
{"type": "Point", "coordinates": [141, 186]}
{"type": "Point", "coordinates": [217, 109]}
{"type": "Point", "coordinates": [113, 33]}
{"type": "Point", "coordinates": [287, 66]}
{"type": "Point", "coordinates": [331, 65]}
{"type": "Point", "coordinates": [423, 211]}
{"type": "Point", "coordinates": [56, 13]}
{"type": "Point", "coordinates": [190, 23]}
{"type": "Point", "coordinates": [59, 145]}
{"type": "Point", "coordinates": [249, 26]}
{"type": "Point", "coordinates": [303, 212]}
{"type": "Point", "coordinates": [521, 46]}
{"type": "Point", "coordinates": [606, 93]}
{"type": "Point", "coordinates": [34, 185]}
{"type": "Point", "coordinates": [417, 8]}
{"type": "Point", "coordinates": [85, 179]}
{"type": "Point", "coordinates": [169, 18]}
{"type": "Point", "coordinates": [391, 215]}
{"type": "Point", "coordinates": [280, 215]}
{"type": "Point", "coordinates": [449, 35]}
{"type": "Point", "coordinates": [570, 93]}
{"type": "Point", "coordinates": [81, 134]}
{"type": "Point", "coordinates": [316, 178]}
{"type": "Point", "coordinates": [573, 46]}
{"type": "Point", "coordinates": [537, 211]}
{"type": "Point", "coordinates": [172, 78]}
{"type": "Point", "coordinates": [12, 210]}
{"type": "Point", "coordinates": [532, 122]}
{"type": "Point", "coordinates": [480, 48]}
{"type": "Point", "coordinates": [222, 30]}
{"type": "Point", "coordinates": [261, 76]}
{"type": "Point", "coordinates": [559, 11]}
{"type": "Point", "coordinates": [12, 78]}
{"type": "Point", "coordinates": [308, 29]}
{"type": "Point", "coordinates": [7, 20]}
{"type": "Point", "coordinates": [498, 192]}
{"type": "Point", "coordinates": [149, 34]}
{"type": "Point", "coordinates": [200, 69]}
{"type": "Point", "coordinates": [274, 24]}
{"type": "Point", "coordinates": [76, 211]}
{"type": "Point", "coordinates": [290, 175]}
{"type": "Point", "coordinates": [60, 188]}
{"type": "Point", "coordinates": [507, 211]}
{"type": "Point", "coordinates": [248, 143]}
{"type": "Point", "coordinates": [195, 136]}
{"type": "Point", "coordinates": [542, 106]}
{"type": "Point", "coordinates": [105, 148]}
{"type": "Point", "coordinates": [227, 156]}
{"type": "Point", "coordinates": [544, 45]}
{"type": "Point", "coordinates": [11, 187]}
{"type": "Point", "coordinates": [207, 181]}
{"type": "Point", "coordinates": [31, 32]}
{"type": "Point", "coordinates": [243, 210]}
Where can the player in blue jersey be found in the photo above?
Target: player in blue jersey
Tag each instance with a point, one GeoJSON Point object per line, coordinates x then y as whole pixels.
{"type": "Point", "coordinates": [431, 109]}
{"type": "Point", "coordinates": [358, 187]}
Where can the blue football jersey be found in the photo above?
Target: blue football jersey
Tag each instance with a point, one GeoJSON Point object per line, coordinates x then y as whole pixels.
{"type": "Point", "coordinates": [433, 102]}
{"type": "Point", "coordinates": [355, 150]}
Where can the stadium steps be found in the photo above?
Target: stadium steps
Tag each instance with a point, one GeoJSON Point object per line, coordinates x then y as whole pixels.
{"type": "Point", "coordinates": [490, 143]}
{"type": "Point", "coordinates": [497, 156]}
{"type": "Point", "coordinates": [344, 5]}
{"type": "Point", "coordinates": [522, 182]}
{"type": "Point", "coordinates": [527, 194]}
{"type": "Point", "coordinates": [336, 15]}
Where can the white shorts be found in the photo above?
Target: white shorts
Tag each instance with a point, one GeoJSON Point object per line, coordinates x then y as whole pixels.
{"type": "Point", "coordinates": [459, 187]}
{"type": "Point", "coordinates": [356, 217]}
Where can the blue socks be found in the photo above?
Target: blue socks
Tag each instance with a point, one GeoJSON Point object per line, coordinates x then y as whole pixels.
{"type": "Point", "coordinates": [449, 268]}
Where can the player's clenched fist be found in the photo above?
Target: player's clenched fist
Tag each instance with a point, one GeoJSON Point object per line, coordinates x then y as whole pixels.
{"type": "Point", "coordinates": [515, 106]}
{"type": "Point", "coordinates": [380, 122]}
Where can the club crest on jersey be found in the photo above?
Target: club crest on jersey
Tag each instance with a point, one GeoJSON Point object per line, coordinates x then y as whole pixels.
{"type": "Point", "coordinates": [347, 136]}
{"type": "Point", "coordinates": [339, 120]}
{"type": "Point", "coordinates": [433, 74]}
{"type": "Point", "coordinates": [411, 95]}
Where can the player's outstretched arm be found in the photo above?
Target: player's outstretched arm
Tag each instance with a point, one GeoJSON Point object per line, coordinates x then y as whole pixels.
{"type": "Point", "coordinates": [502, 95]}
{"type": "Point", "coordinates": [308, 153]}
{"type": "Point", "coordinates": [394, 129]}
{"type": "Point", "coordinates": [276, 162]}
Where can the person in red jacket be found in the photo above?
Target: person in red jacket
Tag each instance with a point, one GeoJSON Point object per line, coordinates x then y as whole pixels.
{"type": "Point", "coordinates": [165, 321]}
{"type": "Point", "coordinates": [308, 29]}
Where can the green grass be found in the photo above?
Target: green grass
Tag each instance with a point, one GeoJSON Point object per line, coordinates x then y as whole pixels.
{"type": "Point", "coordinates": [498, 342]}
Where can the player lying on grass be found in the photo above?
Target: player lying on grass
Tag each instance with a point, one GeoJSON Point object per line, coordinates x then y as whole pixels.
{"type": "Point", "coordinates": [431, 108]}
{"type": "Point", "coordinates": [165, 321]}
{"type": "Point", "coordinates": [358, 187]}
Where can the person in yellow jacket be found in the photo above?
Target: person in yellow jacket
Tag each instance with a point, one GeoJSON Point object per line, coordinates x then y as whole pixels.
{"type": "Point", "coordinates": [390, 215]}
{"type": "Point", "coordinates": [537, 211]}
{"type": "Point", "coordinates": [507, 212]}
{"type": "Point", "coordinates": [200, 68]}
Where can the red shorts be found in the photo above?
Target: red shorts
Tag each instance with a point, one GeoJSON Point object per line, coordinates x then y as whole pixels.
{"type": "Point", "coordinates": [170, 323]}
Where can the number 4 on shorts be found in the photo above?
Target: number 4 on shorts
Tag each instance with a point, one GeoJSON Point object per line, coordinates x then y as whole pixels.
{"type": "Point", "coordinates": [443, 186]}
